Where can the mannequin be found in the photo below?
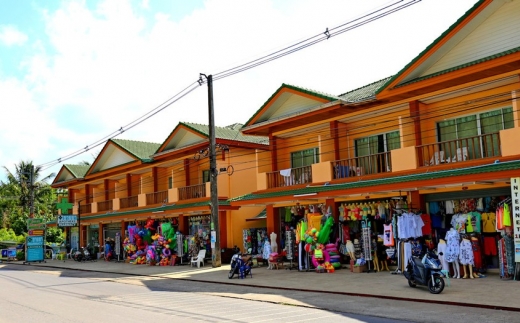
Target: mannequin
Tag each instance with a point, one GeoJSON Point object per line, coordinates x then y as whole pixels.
{"type": "Point", "coordinates": [350, 249]}
{"type": "Point", "coordinates": [453, 250]}
{"type": "Point", "coordinates": [477, 256]}
{"type": "Point", "coordinates": [466, 258]}
{"type": "Point", "coordinates": [441, 250]}
{"type": "Point", "coordinates": [267, 252]}
{"type": "Point", "coordinates": [274, 245]}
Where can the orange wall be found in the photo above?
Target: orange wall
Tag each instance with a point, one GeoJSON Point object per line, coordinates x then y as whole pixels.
{"type": "Point", "coordinates": [238, 223]}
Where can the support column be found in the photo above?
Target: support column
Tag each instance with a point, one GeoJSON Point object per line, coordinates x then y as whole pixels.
{"type": "Point", "coordinates": [515, 101]}
{"type": "Point", "coordinates": [273, 148]}
{"type": "Point", "coordinates": [273, 221]}
{"type": "Point", "coordinates": [123, 235]}
{"type": "Point", "coordinates": [329, 203]}
{"type": "Point", "coordinates": [334, 133]}
{"type": "Point", "coordinates": [154, 178]}
{"type": "Point", "coordinates": [183, 224]}
{"type": "Point", "coordinates": [128, 185]}
{"type": "Point", "coordinates": [415, 114]}
{"type": "Point", "coordinates": [187, 172]}
{"type": "Point", "coordinates": [100, 235]}
{"type": "Point", "coordinates": [417, 200]}
{"type": "Point", "coordinates": [222, 215]}
{"type": "Point", "coordinates": [88, 194]}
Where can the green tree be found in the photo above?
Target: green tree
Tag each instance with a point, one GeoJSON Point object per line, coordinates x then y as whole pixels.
{"type": "Point", "coordinates": [16, 196]}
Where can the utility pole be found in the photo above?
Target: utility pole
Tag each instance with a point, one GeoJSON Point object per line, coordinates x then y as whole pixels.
{"type": "Point", "coordinates": [215, 227]}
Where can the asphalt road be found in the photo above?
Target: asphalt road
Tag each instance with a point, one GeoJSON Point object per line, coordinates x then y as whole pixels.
{"type": "Point", "coordinates": [30, 293]}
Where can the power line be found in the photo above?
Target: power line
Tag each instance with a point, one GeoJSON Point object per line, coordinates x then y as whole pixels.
{"type": "Point", "coordinates": [372, 16]}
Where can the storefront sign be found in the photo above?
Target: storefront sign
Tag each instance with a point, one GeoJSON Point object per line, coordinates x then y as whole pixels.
{"type": "Point", "coordinates": [67, 220]}
{"type": "Point", "coordinates": [515, 208]}
{"type": "Point", "coordinates": [34, 248]}
{"type": "Point", "coordinates": [34, 221]}
{"type": "Point", "coordinates": [118, 244]}
{"type": "Point", "coordinates": [35, 232]}
{"type": "Point", "coordinates": [37, 226]}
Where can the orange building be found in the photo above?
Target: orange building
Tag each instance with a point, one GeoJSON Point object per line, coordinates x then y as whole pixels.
{"type": "Point", "coordinates": [445, 127]}
{"type": "Point", "coordinates": [132, 181]}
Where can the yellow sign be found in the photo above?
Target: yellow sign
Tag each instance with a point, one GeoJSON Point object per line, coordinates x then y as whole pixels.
{"type": "Point", "coordinates": [36, 232]}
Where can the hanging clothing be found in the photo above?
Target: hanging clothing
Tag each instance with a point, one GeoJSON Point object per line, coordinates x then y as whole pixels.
{"type": "Point", "coordinates": [388, 235]}
{"type": "Point", "coordinates": [427, 227]}
{"type": "Point", "coordinates": [507, 215]}
{"type": "Point", "coordinates": [449, 207]}
{"type": "Point", "coordinates": [466, 252]}
{"type": "Point", "coordinates": [452, 245]}
{"type": "Point", "coordinates": [489, 222]}
{"type": "Point", "coordinates": [477, 254]}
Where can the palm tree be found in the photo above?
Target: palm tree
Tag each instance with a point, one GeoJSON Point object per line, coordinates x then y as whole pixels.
{"type": "Point", "coordinates": [19, 183]}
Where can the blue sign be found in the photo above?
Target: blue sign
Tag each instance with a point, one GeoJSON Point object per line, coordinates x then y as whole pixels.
{"type": "Point", "coordinates": [34, 248]}
{"type": "Point", "coordinates": [34, 241]}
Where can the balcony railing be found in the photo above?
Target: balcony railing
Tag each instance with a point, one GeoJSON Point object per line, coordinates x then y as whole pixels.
{"type": "Point", "coordinates": [453, 151]}
{"type": "Point", "coordinates": [126, 202]}
{"type": "Point", "coordinates": [365, 165]}
{"type": "Point", "coordinates": [104, 206]}
{"type": "Point", "coordinates": [289, 177]}
{"type": "Point", "coordinates": [192, 192]}
{"type": "Point", "coordinates": [84, 209]}
{"type": "Point", "coordinates": [157, 197]}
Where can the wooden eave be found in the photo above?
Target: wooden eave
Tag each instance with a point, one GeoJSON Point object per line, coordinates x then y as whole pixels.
{"type": "Point", "coordinates": [332, 112]}
{"type": "Point", "coordinates": [502, 65]}
{"type": "Point", "coordinates": [420, 60]}
{"type": "Point", "coordinates": [174, 132]}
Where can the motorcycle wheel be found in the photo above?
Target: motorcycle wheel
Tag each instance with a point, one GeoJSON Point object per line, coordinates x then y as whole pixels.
{"type": "Point", "coordinates": [412, 283]}
{"type": "Point", "coordinates": [436, 286]}
{"type": "Point", "coordinates": [231, 274]}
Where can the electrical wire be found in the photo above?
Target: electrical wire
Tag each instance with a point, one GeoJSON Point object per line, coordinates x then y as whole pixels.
{"type": "Point", "coordinates": [372, 16]}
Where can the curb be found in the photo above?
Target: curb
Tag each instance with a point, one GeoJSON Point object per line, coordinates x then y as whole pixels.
{"type": "Point", "coordinates": [396, 298]}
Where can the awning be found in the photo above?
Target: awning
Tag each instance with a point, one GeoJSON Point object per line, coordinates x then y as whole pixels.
{"type": "Point", "coordinates": [261, 216]}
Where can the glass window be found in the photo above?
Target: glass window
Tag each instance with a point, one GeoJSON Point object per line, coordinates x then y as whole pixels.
{"type": "Point", "coordinates": [170, 182]}
{"type": "Point", "coordinates": [462, 134]}
{"type": "Point", "coordinates": [305, 157]}
{"type": "Point", "coordinates": [369, 152]}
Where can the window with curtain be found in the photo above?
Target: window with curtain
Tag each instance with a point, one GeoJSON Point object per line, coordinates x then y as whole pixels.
{"type": "Point", "coordinates": [305, 157]}
{"type": "Point", "coordinates": [368, 148]}
{"type": "Point", "coordinates": [462, 133]}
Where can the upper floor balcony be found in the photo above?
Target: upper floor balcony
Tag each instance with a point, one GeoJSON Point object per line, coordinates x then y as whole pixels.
{"type": "Point", "coordinates": [451, 152]}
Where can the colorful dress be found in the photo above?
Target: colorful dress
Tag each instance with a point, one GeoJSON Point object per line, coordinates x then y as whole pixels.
{"type": "Point", "coordinates": [466, 252]}
{"type": "Point", "coordinates": [452, 246]}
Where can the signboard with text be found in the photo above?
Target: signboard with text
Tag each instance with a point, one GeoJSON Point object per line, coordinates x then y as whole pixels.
{"type": "Point", "coordinates": [515, 210]}
{"type": "Point", "coordinates": [67, 220]}
{"type": "Point", "coordinates": [34, 246]}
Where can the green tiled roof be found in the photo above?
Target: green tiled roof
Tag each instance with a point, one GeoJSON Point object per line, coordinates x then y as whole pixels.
{"type": "Point", "coordinates": [459, 67]}
{"type": "Point", "coordinates": [231, 132]}
{"type": "Point", "coordinates": [139, 149]}
{"type": "Point", "coordinates": [160, 208]}
{"type": "Point", "coordinates": [318, 94]}
{"type": "Point", "coordinates": [365, 92]}
{"type": "Point", "coordinates": [503, 166]}
{"type": "Point", "coordinates": [77, 171]}
{"type": "Point", "coordinates": [435, 42]}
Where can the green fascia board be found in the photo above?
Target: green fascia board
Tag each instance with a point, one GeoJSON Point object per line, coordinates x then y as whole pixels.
{"type": "Point", "coordinates": [363, 93]}
{"type": "Point", "coordinates": [435, 42]}
{"type": "Point", "coordinates": [321, 95]}
{"type": "Point", "coordinates": [160, 208]}
{"type": "Point", "coordinates": [139, 149]}
{"type": "Point", "coordinates": [77, 171]}
{"type": "Point", "coordinates": [459, 67]}
{"type": "Point", "coordinates": [502, 166]}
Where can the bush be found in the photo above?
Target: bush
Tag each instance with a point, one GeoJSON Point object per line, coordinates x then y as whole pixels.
{"type": "Point", "coordinates": [20, 255]}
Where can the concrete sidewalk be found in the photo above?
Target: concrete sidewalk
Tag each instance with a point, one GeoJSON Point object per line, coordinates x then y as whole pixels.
{"type": "Point", "coordinates": [488, 292]}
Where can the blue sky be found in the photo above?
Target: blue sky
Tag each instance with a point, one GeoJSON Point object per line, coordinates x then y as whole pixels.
{"type": "Point", "coordinates": [72, 72]}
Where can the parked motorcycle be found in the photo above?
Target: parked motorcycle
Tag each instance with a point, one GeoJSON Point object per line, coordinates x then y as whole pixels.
{"type": "Point", "coordinates": [240, 263]}
{"type": "Point", "coordinates": [426, 272]}
{"type": "Point", "coordinates": [83, 254]}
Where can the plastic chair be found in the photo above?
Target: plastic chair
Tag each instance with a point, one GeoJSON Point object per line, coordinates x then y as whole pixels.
{"type": "Point", "coordinates": [199, 259]}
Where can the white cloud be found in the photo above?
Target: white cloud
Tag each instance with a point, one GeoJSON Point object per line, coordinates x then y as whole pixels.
{"type": "Point", "coordinates": [110, 65]}
{"type": "Point", "coordinates": [10, 35]}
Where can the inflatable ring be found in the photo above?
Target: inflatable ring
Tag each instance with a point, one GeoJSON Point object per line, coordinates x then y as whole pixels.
{"type": "Point", "coordinates": [166, 252]}
{"type": "Point", "coordinates": [330, 246]}
{"type": "Point", "coordinates": [326, 258]}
